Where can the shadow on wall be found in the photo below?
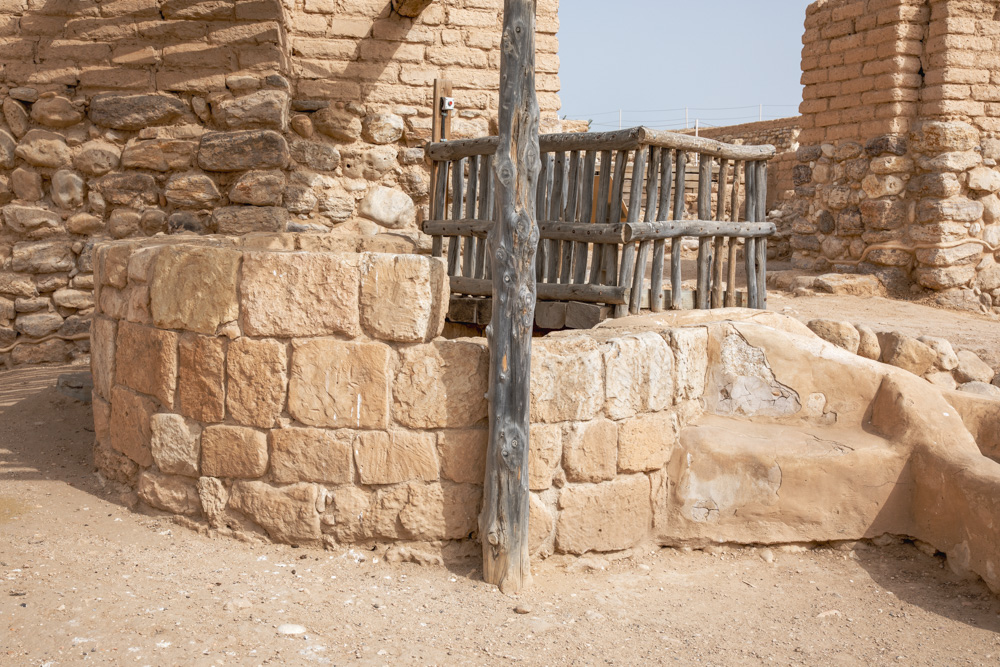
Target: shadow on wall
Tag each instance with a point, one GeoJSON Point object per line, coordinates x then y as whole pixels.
{"type": "Point", "coordinates": [365, 59]}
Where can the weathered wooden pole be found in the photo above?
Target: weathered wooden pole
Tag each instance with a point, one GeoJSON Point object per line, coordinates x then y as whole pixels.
{"type": "Point", "coordinates": [503, 524]}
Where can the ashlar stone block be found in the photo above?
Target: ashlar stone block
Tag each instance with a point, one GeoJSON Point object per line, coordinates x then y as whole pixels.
{"type": "Point", "coordinates": [130, 430]}
{"type": "Point", "coordinates": [612, 516]}
{"type": "Point", "coordinates": [299, 294]}
{"type": "Point", "coordinates": [258, 377]}
{"type": "Point", "coordinates": [233, 451]}
{"type": "Point", "coordinates": [403, 297]}
{"type": "Point", "coordinates": [175, 444]}
{"type": "Point", "coordinates": [544, 453]}
{"type": "Point", "coordinates": [201, 371]}
{"type": "Point", "coordinates": [177, 495]}
{"type": "Point", "coordinates": [441, 384]}
{"type": "Point", "coordinates": [312, 455]}
{"type": "Point", "coordinates": [463, 455]}
{"type": "Point", "coordinates": [146, 361]}
{"type": "Point", "coordinates": [567, 379]}
{"type": "Point", "coordinates": [102, 355]}
{"type": "Point", "coordinates": [441, 511]}
{"type": "Point", "coordinates": [340, 384]}
{"type": "Point", "coordinates": [194, 288]}
{"type": "Point", "coordinates": [646, 442]}
{"type": "Point", "coordinates": [288, 514]}
{"type": "Point", "coordinates": [638, 374]}
{"type": "Point", "coordinates": [590, 451]}
{"type": "Point", "coordinates": [397, 456]}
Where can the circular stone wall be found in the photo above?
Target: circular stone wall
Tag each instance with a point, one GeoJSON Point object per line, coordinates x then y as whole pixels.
{"type": "Point", "coordinates": [255, 386]}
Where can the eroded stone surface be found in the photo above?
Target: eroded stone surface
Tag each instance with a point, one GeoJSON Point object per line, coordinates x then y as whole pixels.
{"type": "Point", "coordinates": [590, 451]}
{"type": "Point", "coordinates": [441, 511]}
{"type": "Point", "coordinates": [604, 517]}
{"type": "Point", "coordinates": [170, 493]}
{"type": "Point", "coordinates": [387, 281]}
{"type": "Point", "coordinates": [233, 452]}
{"type": "Point", "coordinates": [258, 375]}
{"type": "Point", "coordinates": [638, 375]}
{"type": "Point", "coordinates": [691, 354]}
{"type": "Point", "coordinates": [194, 288]}
{"type": "Point", "coordinates": [242, 150]}
{"type": "Point", "coordinates": [396, 456]}
{"type": "Point", "coordinates": [841, 334]}
{"type": "Point", "coordinates": [299, 294]}
{"type": "Point", "coordinates": [200, 378]}
{"type": "Point", "coordinates": [646, 442]}
{"type": "Point", "coordinates": [340, 384]}
{"type": "Point", "coordinates": [146, 361]}
{"type": "Point", "coordinates": [566, 379]}
{"type": "Point", "coordinates": [463, 455]}
{"type": "Point", "coordinates": [441, 384]}
{"type": "Point", "coordinates": [175, 444]}
{"type": "Point", "coordinates": [133, 112]}
{"type": "Point", "coordinates": [130, 431]}
{"type": "Point", "coordinates": [906, 352]}
{"type": "Point", "coordinates": [288, 514]}
{"type": "Point", "coordinates": [312, 455]}
{"type": "Point", "coordinates": [544, 455]}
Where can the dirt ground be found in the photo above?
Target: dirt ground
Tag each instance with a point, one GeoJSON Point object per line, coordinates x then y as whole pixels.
{"type": "Point", "coordinates": [86, 579]}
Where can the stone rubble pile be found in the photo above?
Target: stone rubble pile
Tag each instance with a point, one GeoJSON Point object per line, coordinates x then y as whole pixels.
{"type": "Point", "coordinates": [930, 357]}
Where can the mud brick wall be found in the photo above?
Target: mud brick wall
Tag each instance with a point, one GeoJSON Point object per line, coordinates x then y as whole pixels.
{"type": "Point", "coordinates": [127, 120]}
{"type": "Point", "coordinates": [312, 409]}
{"type": "Point", "coordinates": [897, 170]}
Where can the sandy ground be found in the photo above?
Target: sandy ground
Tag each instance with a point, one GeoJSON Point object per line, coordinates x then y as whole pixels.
{"type": "Point", "coordinates": [85, 579]}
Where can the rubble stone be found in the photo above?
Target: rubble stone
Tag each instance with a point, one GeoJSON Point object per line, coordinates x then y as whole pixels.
{"type": "Point", "coordinates": [242, 150]}
{"type": "Point", "coordinates": [133, 112]}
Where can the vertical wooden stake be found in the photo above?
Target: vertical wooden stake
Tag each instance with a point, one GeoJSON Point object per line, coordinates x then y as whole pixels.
{"type": "Point", "coordinates": [503, 524]}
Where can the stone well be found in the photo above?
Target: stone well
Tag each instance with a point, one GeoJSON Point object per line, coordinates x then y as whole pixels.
{"type": "Point", "coordinates": [307, 395]}
{"type": "Point", "coordinates": [285, 386]}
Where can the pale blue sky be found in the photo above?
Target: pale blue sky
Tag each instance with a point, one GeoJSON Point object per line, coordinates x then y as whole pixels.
{"type": "Point", "coordinates": [652, 58]}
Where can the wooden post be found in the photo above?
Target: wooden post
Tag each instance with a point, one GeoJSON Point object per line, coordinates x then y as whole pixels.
{"type": "Point", "coordinates": [503, 524]}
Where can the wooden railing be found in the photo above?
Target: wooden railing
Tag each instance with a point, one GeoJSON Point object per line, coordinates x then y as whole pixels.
{"type": "Point", "coordinates": [607, 203]}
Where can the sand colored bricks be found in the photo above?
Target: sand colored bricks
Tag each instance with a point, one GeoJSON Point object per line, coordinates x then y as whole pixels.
{"type": "Point", "coordinates": [233, 118]}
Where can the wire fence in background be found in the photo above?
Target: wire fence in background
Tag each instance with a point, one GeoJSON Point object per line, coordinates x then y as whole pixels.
{"type": "Point", "coordinates": [680, 118]}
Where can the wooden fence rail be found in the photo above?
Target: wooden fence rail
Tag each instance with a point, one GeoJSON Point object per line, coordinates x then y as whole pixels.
{"type": "Point", "coordinates": [608, 203]}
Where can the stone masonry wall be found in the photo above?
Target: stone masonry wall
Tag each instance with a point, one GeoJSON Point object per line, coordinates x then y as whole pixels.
{"type": "Point", "coordinates": [897, 169]}
{"type": "Point", "coordinates": [310, 408]}
{"type": "Point", "coordinates": [127, 120]}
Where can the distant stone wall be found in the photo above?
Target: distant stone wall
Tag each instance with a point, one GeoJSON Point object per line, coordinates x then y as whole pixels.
{"type": "Point", "coordinates": [125, 120]}
{"type": "Point", "coordinates": [897, 170]}
{"type": "Point", "coordinates": [782, 133]}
